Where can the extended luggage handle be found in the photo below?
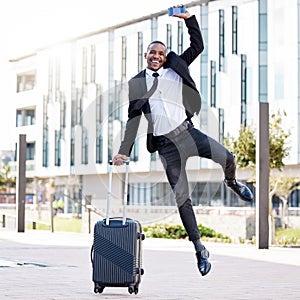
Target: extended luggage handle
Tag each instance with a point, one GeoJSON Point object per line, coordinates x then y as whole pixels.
{"type": "Point", "coordinates": [110, 169]}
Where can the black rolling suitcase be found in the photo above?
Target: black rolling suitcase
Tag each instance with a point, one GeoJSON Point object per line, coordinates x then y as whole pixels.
{"type": "Point", "coordinates": [116, 253]}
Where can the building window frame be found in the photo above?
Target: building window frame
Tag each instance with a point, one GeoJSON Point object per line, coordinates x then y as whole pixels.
{"type": "Point", "coordinates": [221, 40]}
{"type": "Point", "coordinates": [243, 90]}
{"type": "Point", "coordinates": [26, 81]}
{"type": "Point", "coordinates": [57, 149]}
{"type": "Point", "coordinates": [234, 30]}
{"type": "Point", "coordinates": [213, 76]}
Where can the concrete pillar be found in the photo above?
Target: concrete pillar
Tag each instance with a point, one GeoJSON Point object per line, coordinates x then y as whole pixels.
{"type": "Point", "coordinates": [21, 183]}
{"type": "Point", "coordinates": [262, 177]}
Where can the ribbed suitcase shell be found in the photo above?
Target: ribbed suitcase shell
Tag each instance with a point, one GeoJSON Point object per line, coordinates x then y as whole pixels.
{"type": "Point", "coordinates": [117, 254]}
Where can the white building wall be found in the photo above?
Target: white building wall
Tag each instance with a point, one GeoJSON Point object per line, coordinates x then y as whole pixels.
{"type": "Point", "coordinates": [282, 84]}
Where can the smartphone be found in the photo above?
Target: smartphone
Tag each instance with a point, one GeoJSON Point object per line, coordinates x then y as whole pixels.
{"type": "Point", "coordinates": [176, 10]}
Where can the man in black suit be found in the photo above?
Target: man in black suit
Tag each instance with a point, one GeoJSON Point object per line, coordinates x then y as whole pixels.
{"type": "Point", "coordinates": [167, 95]}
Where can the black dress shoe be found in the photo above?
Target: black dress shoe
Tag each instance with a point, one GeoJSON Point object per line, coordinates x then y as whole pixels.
{"type": "Point", "coordinates": [240, 189]}
{"type": "Point", "coordinates": [204, 265]}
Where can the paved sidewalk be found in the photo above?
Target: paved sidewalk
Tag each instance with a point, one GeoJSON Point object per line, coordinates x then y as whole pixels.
{"type": "Point", "coordinates": [42, 265]}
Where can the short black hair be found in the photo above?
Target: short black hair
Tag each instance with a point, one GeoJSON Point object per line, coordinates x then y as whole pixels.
{"type": "Point", "coordinates": [156, 42]}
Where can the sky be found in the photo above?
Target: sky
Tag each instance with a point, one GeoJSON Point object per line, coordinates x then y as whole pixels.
{"type": "Point", "coordinates": [28, 25]}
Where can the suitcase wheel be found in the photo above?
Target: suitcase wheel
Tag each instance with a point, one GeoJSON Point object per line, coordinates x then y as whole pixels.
{"type": "Point", "coordinates": [133, 289]}
{"type": "Point", "coordinates": [140, 271]}
{"type": "Point", "coordinates": [98, 288]}
{"type": "Point", "coordinates": [141, 236]}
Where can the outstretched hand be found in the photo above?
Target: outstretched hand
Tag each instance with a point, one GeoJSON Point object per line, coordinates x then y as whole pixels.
{"type": "Point", "coordinates": [184, 15]}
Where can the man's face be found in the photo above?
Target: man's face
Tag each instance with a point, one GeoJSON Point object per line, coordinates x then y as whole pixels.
{"type": "Point", "coordinates": [155, 56]}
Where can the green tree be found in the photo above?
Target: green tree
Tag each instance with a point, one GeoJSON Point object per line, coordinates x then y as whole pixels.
{"type": "Point", "coordinates": [6, 180]}
{"type": "Point", "coordinates": [244, 146]}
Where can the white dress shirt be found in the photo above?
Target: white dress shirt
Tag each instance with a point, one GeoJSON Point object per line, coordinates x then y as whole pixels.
{"type": "Point", "coordinates": [167, 110]}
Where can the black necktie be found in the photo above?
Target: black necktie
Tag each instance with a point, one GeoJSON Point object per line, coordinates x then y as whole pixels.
{"type": "Point", "coordinates": [154, 85]}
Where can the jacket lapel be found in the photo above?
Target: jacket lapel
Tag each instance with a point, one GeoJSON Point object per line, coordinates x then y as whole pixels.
{"type": "Point", "coordinates": [180, 67]}
{"type": "Point", "coordinates": [139, 90]}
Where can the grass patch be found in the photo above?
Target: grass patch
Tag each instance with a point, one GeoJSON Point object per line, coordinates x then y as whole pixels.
{"type": "Point", "coordinates": [60, 224]}
{"type": "Point", "coordinates": [288, 236]}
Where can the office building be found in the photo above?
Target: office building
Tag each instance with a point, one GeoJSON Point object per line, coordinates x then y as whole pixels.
{"type": "Point", "coordinates": [71, 99]}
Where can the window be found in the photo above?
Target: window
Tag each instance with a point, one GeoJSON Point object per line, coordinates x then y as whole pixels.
{"type": "Point", "coordinates": [30, 151]}
{"type": "Point", "coordinates": [84, 66]}
{"type": "Point", "coordinates": [19, 118]}
{"type": "Point", "coordinates": [99, 117]}
{"type": "Point", "coordinates": [25, 81]}
{"type": "Point", "coordinates": [79, 106]}
{"type": "Point", "coordinates": [243, 90]}
{"type": "Point", "coordinates": [221, 39]}
{"type": "Point", "coordinates": [221, 125]}
{"type": "Point", "coordinates": [72, 147]}
{"type": "Point", "coordinates": [135, 153]}
{"type": "Point", "coordinates": [124, 58]}
{"type": "Point", "coordinates": [29, 117]}
{"type": "Point", "coordinates": [57, 159]}
{"type": "Point", "coordinates": [140, 51]}
{"type": "Point", "coordinates": [234, 29]}
{"type": "Point", "coordinates": [84, 147]}
{"type": "Point", "coordinates": [99, 147]}
{"type": "Point", "coordinates": [93, 63]}
{"type": "Point", "coordinates": [63, 109]}
{"type": "Point", "coordinates": [214, 194]}
{"type": "Point", "coordinates": [156, 194]}
{"type": "Point", "coordinates": [212, 83]}
{"type": "Point", "coordinates": [45, 133]}
{"type": "Point", "coordinates": [169, 37]}
{"type": "Point", "coordinates": [207, 193]}
{"type": "Point", "coordinates": [180, 37]}
{"type": "Point", "coordinates": [294, 198]}
{"type": "Point", "coordinates": [25, 117]}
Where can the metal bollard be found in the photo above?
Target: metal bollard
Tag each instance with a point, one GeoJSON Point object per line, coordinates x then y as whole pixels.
{"type": "Point", "coordinates": [3, 221]}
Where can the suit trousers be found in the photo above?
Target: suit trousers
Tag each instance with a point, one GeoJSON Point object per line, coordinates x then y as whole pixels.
{"type": "Point", "coordinates": [174, 152]}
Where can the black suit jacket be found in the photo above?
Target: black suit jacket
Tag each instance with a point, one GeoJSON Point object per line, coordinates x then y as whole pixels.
{"type": "Point", "coordinates": [138, 98]}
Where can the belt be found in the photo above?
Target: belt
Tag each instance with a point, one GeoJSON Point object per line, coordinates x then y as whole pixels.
{"type": "Point", "coordinates": [182, 127]}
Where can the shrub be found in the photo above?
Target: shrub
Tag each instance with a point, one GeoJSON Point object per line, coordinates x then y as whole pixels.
{"type": "Point", "coordinates": [169, 231]}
